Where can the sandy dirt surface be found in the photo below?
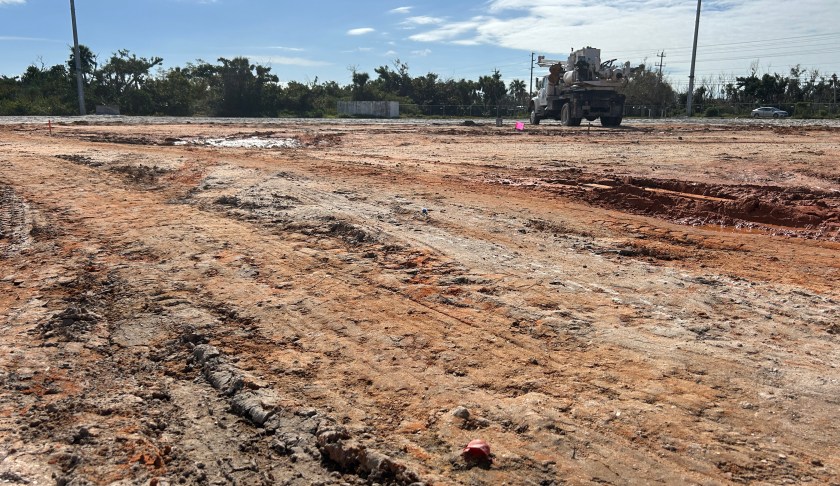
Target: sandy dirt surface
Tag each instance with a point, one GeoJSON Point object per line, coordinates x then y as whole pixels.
{"type": "Point", "coordinates": [353, 304]}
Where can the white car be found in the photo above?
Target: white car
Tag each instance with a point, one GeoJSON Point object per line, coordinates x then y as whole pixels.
{"type": "Point", "coordinates": [768, 111]}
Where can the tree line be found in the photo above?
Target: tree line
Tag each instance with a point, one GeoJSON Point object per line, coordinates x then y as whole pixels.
{"type": "Point", "coordinates": [231, 88]}
{"type": "Point", "coordinates": [240, 88]}
{"type": "Point", "coordinates": [800, 90]}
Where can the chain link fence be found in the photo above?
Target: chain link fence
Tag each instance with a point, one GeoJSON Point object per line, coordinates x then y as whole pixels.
{"type": "Point", "coordinates": [717, 109]}
{"type": "Point", "coordinates": [466, 111]}
{"type": "Point", "coordinates": [712, 109]}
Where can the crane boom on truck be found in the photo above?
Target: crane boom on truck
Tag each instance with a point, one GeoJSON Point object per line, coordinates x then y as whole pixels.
{"type": "Point", "coordinates": [580, 87]}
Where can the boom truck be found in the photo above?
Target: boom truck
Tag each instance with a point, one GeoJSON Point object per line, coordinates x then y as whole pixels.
{"type": "Point", "coordinates": [581, 87]}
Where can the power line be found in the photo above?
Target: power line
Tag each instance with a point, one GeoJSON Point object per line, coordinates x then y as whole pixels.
{"type": "Point", "coordinates": [763, 42]}
{"type": "Point", "coordinates": [745, 58]}
{"type": "Point", "coordinates": [766, 41]}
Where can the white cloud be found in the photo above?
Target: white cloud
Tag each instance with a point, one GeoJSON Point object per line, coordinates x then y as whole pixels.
{"type": "Point", "coordinates": [422, 53]}
{"type": "Point", "coordinates": [358, 49]}
{"type": "Point", "coordinates": [12, 2]}
{"type": "Point", "coordinates": [361, 31]}
{"type": "Point", "coordinates": [287, 61]}
{"type": "Point", "coordinates": [423, 20]}
{"type": "Point", "coordinates": [26, 39]}
{"type": "Point", "coordinates": [288, 49]}
{"type": "Point", "coordinates": [731, 34]}
{"type": "Point", "coordinates": [449, 32]}
{"type": "Point", "coordinates": [390, 53]}
{"type": "Point", "coordinates": [401, 10]}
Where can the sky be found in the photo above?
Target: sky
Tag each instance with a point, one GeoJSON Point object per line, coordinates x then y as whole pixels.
{"type": "Point", "coordinates": [326, 39]}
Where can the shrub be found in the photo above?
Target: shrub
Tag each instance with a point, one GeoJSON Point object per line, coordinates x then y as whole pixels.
{"type": "Point", "coordinates": [803, 110]}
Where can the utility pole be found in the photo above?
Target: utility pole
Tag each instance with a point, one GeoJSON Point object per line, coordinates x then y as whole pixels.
{"type": "Point", "coordinates": [79, 84]}
{"type": "Point", "coordinates": [531, 87]}
{"type": "Point", "coordinates": [688, 107]}
{"type": "Point", "coordinates": [661, 58]}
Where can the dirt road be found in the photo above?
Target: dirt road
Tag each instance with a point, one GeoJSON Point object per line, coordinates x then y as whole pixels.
{"type": "Point", "coordinates": [341, 304]}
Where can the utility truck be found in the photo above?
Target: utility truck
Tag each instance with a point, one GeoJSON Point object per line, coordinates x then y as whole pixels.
{"type": "Point", "coordinates": [581, 87]}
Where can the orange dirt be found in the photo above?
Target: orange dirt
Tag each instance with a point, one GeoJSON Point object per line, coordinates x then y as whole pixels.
{"type": "Point", "coordinates": [650, 304]}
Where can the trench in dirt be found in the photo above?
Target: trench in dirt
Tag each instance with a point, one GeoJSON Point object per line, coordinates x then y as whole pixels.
{"type": "Point", "coordinates": [795, 211]}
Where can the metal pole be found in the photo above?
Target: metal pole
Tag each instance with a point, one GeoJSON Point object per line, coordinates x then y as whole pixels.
{"type": "Point", "coordinates": [79, 84]}
{"type": "Point", "coordinates": [688, 107]}
{"type": "Point", "coordinates": [531, 86]}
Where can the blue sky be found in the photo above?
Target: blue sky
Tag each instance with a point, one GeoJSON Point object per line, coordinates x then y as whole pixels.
{"type": "Point", "coordinates": [453, 38]}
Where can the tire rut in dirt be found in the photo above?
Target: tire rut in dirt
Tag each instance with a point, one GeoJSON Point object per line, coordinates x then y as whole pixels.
{"type": "Point", "coordinates": [126, 402]}
{"type": "Point", "coordinates": [15, 222]}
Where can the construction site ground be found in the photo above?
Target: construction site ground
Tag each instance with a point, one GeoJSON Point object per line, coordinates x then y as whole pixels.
{"type": "Point", "coordinates": [352, 303]}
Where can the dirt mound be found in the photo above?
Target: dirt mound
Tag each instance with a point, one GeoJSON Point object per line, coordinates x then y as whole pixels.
{"type": "Point", "coordinates": [797, 211]}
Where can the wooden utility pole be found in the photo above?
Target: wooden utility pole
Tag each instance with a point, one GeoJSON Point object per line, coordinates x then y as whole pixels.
{"type": "Point", "coordinates": [661, 58]}
{"type": "Point", "coordinates": [688, 108]}
{"type": "Point", "coordinates": [79, 84]}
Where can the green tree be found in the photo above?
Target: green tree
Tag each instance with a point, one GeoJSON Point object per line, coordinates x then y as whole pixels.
{"type": "Point", "coordinates": [518, 90]}
{"type": "Point", "coordinates": [122, 81]}
{"type": "Point", "coordinates": [492, 88]}
{"type": "Point", "coordinates": [425, 90]}
{"type": "Point", "coordinates": [88, 62]}
{"type": "Point", "coordinates": [174, 92]}
{"type": "Point", "coordinates": [42, 91]}
{"type": "Point", "coordinates": [774, 86]}
{"type": "Point", "coordinates": [394, 83]}
{"type": "Point", "coordinates": [297, 98]}
{"type": "Point", "coordinates": [361, 91]}
{"type": "Point", "coordinates": [645, 87]}
{"type": "Point", "coordinates": [240, 87]}
{"type": "Point", "coordinates": [324, 97]}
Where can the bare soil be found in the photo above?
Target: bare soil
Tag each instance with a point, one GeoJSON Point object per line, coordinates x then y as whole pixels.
{"type": "Point", "coordinates": [648, 304]}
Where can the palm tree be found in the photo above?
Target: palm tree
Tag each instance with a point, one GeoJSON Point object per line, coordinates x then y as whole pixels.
{"type": "Point", "coordinates": [518, 91]}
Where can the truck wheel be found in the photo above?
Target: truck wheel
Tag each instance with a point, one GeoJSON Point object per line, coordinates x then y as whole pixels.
{"type": "Point", "coordinates": [566, 116]}
{"type": "Point", "coordinates": [535, 120]}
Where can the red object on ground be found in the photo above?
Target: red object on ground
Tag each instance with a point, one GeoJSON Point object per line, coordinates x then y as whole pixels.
{"type": "Point", "coordinates": [477, 450]}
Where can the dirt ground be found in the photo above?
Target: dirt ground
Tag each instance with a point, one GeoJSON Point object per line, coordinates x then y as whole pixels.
{"type": "Point", "coordinates": [352, 304]}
